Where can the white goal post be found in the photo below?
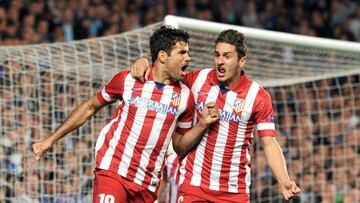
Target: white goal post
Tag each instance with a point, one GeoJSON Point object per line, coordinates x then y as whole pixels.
{"type": "Point", "coordinates": [314, 84]}
{"type": "Point", "coordinates": [285, 40]}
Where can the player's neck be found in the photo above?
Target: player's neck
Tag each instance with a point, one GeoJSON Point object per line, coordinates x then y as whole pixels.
{"type": "Point", "coordinates": [231, 83]}
{"type": "Point", "coordinates": [159, 74]}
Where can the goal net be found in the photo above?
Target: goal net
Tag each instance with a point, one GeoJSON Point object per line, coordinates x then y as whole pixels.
{"type": "Point", "coordinates": [315, 87]}
{"type": "Point", "coordinates": [314, 84]}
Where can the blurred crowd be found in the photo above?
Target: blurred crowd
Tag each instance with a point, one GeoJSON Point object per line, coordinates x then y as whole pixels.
{"type": "Point", "coordinates": [41, 21]}
{"type": "Point", "coordinates": [319, 132]}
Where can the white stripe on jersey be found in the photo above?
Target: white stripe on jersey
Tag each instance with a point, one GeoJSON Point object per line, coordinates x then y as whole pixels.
{"type": "Point", "coordinates": [195, 90]}
{"type": "Point", "coordinates": [265, 126]}
{"type": "Point", "coordinates": [220, 144]}
{"type": "Point", "coordinates": [136, 128]}
{"type": "Point", "coordinates": [105, 95]}
{"type": "Point", "coordinates": [196, 87]}
{"type": "Point", "coordinates": [200, 150]}
{"type": "Point", "coordinates": [182, 170]}
{"type": "Point", "coordinates": [160, 159]}
{"type": "Point", "coordinates": [200, 80]}
{"type": "Point", "coordinates": [102, 135]}
{"type": "Point", "coordinates": [106, 160]}
{"type": "Point", "coordinates": [153, 137]}
{"type": "Point", "coordinates": [184, 124]}
{"type": "Point", "coordinates": [235, 160]}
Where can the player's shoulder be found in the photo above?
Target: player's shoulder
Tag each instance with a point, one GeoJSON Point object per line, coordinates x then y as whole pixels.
{"type": "Point", "coordinates": [122, 75]}
{"type": "Point", "coordinates": [206, 70]}
{"type": "Point", "coordinates": [196, 73]}
{"type": "Point", "coordinates": [263, 93]}
{"type": "Point", "coordinates": [183, 87]}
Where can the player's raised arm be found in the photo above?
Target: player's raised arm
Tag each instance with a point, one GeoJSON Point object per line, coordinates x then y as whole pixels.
{"type": "Point", "coordinates": [185, 143]}
{"type": "Point", "coordinates": [140, 69]}
{"type": "Point", "coordinates": [276, 162]}
{"type": "Point", "coordinates": [77, 118]}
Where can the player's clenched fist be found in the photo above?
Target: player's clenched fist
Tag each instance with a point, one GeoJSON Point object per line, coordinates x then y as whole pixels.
{"type": "Point", "coordinates": [289, 189]}
{"type": "Point", "coordinates": [40, 148]}
{"type": "Point", "coordinates": [210, 114]}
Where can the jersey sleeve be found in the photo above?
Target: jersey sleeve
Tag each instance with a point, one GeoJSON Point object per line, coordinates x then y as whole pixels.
{"type": "Point", "coordinates": [190, 78]}
{"type": "Point", "coordinates": [184, 122]}
{"type": "Point", "coordinates": [113, 90]}
{"type": "Point", "coordinates": [264, 115]}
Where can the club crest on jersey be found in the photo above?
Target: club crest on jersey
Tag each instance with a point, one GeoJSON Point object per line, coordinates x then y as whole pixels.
{"type": "Point", "coordinates": [200, 106]}
{"type": "Point", "coordinates": [239, 105]}
{"type": "Point", "coordinates": [175, 99]}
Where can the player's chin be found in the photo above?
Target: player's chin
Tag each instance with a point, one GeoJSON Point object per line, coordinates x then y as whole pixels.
{"type": "Point", "coordinates": [178, 77]}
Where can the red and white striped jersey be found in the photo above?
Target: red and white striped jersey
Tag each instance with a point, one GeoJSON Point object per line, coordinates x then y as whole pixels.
{"type": "Point", "coordinates": [134, 143]}
{"type": "Point", "coordinates": [221, 161]}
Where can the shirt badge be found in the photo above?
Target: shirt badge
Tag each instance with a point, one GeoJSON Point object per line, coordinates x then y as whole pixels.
{"type": "Point", "coordinates": [175, 99]}
{"type": "Point", "coordinates": [239, 105]}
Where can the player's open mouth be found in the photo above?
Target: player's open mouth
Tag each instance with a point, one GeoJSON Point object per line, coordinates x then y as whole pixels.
{"type": "Point", "coordinates": [221, 69]}
{"type": "Point", "coordinates": [184, 68]}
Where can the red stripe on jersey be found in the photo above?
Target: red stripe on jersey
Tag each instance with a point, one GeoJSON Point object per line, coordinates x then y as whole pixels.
{"type": "Point", "coordinates": [118, 89]}
{"type": "Point", "coordinates": [210, 144]}
{"type": "Point", "coordinates": [101, 99]}
{"type": "Point", "coordinates": [109, 135]}
{"type": "Point", "coordinates": [243, 159]}
{"type": "Point", "coordinates": [174, 167]}
{"type": "Point", "coordinates": [160, 142]}
{"type": "Point", "coordinates": [229, 149]}
{"type": "Point", "coordinates": [143, 138]}
{"type": "Point", "coordinates": [153, 157]}
{"type": "Point", "coordinates": [190, 78]}
{"type": "Point", "coordinates": [190, 162]}
{"type": "Point", "coordinates": [120, 148]}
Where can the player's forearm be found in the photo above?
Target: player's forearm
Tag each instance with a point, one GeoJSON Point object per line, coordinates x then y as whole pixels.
{"type": "Point", "coordinates": [76, 119]}
{"type": "Point", "coordinates": [185, 143]}
{"type": "Point", "coordinates": [276, 161]}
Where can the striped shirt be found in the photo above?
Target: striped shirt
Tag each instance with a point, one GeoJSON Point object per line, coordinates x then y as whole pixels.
{"type": "Point", "coordinates": [221, 161]}
{"type": "Point", "coordinates": [134, 143]}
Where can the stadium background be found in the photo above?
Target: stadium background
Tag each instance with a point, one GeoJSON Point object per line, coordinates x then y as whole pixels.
{"type": "Point", "coordinates": [322, 150]}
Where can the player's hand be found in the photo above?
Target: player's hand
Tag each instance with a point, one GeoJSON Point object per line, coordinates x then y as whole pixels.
{"type": "Point", "coordinates": [140, 69]}
{"type": "Point", "coordinates": [40, 148]}
{"type": "Point", "coordinates": [289, 189]}
{"type": "Point", "coordinates": [210, 114]}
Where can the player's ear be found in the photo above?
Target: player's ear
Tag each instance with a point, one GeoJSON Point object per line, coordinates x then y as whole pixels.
{"type": "Point", "coordinates": [242, 61]}
{"type": "Point", "coordinates": [162, 56]}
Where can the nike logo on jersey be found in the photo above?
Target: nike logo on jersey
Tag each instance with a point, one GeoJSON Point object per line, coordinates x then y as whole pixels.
{"type": "Point", "coordinates": [136, 88]}
{"type": "Point", "coordinates": [201, 93]}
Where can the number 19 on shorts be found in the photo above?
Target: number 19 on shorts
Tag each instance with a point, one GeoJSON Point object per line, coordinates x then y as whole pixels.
{"type": "Point", "coordinates": [104, 198]}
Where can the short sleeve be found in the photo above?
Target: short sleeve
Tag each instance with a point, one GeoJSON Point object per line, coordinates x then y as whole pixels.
{"type": "Point", "coordinates": [264, 115]}
{"type": "Point", "coordinates": [184, 122]}
{"type": "Point", "coordinates": [190, 78]}
{"type": "Point", "coordinates": [114, 89]}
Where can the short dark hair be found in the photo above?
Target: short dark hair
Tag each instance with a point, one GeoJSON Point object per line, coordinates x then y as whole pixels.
{"type": "Point", "coordinates": [165, 38]}
{"type": "Point", "coordinates": [235, 38]}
